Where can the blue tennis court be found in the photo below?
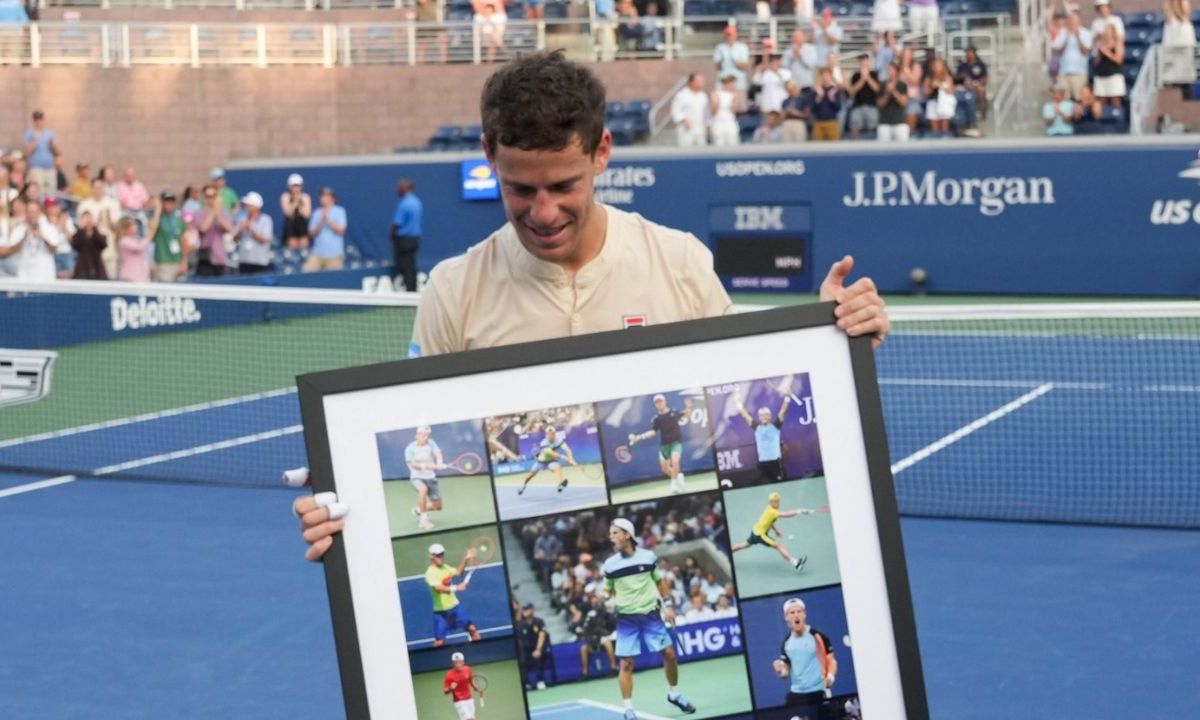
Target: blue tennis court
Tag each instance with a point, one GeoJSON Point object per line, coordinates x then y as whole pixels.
{"type": "Point", "coordinates": [143, 599]}
{"type": "Point", "coordinates": [485, 600]}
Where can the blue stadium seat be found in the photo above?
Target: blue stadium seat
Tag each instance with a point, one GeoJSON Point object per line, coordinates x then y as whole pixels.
{"type": "Point", "coordinates": [556, 10]}
{"type": "Point", "coordinates": [614, 109]}
{"type": "Point", "coordinates": [972, 7]}
{"type": "Point", "coordinates": [1130, 72]}
{"type": "Point", "coordinates": [459, 14]}
{"type": "Point", "coordinates": [747, 124]}
{"type": "Point", "coordinates": [639, 112]}
{"type": "Point", "coordinates": [623, 131]}
{"type": "Point", "coordinates": [1143, 19]}
{"type": "Point", "coordinates": [472, 134]}
{"type": "Point", "coordinates": [1134, 54]}
{"type": "Point", "coordinates": [697, 8]}
{"type": "Point", "coordinates": [515, 11]}
{"type": "Point", "coordinates": [859, 9]}
{"type": "Point", "coordinates": [722, 8]}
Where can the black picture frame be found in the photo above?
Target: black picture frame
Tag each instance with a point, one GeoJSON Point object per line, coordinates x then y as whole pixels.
{"type": "Point", "coordinates": [321, 435]}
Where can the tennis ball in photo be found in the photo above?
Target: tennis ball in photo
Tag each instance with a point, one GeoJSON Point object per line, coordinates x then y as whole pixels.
{"type": "Point", "coordinates": [791, 537]}
{"type": "Point", "coordinates": [483, 548]}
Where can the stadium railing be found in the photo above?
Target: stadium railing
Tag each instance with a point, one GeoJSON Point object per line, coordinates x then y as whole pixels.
{"type": "Point", "coordinates": [128, 44]}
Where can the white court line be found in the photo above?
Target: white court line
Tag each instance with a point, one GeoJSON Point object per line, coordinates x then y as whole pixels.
{"type": "Point", "coordinates": [118, 422]}
{"type": "Point", "coordinates": [199, 450]}
{"type": "Point", "coordinates": [29, 487]}
{"type": "Point", "coordinates": [618, 710]}
{"type": "Point", "coordinates": [971, 427]}
{"type": "Point", "coordinates": [949, 382]}
{"type": "Point", "coordinates": [463, 634]}
{"type": "Point", "coordinates": [1172, 388]}
{"type": "Point", "coordinates": [422, 577]}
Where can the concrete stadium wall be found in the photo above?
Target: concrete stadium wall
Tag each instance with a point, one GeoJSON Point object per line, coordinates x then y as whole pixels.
{"type": "Point", "coordinates": [175, 123]}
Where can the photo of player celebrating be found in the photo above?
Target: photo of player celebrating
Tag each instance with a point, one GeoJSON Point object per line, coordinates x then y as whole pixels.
{"type": "Point", "coordinates": [432, 477]}
{"type": "Point", "coordinates": [644, 611]}
{"type": "Point", "coordinates": [681, 459]}
{"type": "Point", "coordinates": [806, 660]}
{"type": "Point", "coordinates": [761, 534]}
{"type": "Point", "coordinates": [777, 441]}
{"type": "Point", "coordinates": [561, 441]}
{"type": "Point", "coordinates": [459, 684]}
{"type": "Point", "coordinates": [448, 612]}
{"type": "Point", "coordinates": [551, 451]}
{"type": "Point", "coordinates": [795, 523]}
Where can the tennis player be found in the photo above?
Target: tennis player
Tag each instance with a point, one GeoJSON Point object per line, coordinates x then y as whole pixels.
{"type": "Point", "coordinates": [565, 264]}
{"type": "Point", "coordinates": [551, 449]}
{"type": "Point", "coordinates": [424, 459]}
{"type": "Point", "coordinates": [644, 610]}
{"type": "Point", "coordinates": [761, 534]}
{"type": "Point", "coordinates": [806, 661]}
{"type": "Point", "coordinates": [459, 683]}
{"type": "Point", "coordinates": [448, 612]}
{"type": "Point", "coordinates": [767, 438]}
{"type": "Point", "coordinates": [668, 425]}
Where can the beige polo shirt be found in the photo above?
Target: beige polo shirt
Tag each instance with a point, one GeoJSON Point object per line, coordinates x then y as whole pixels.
{"type": "Point", "coordinates": [497, 293]}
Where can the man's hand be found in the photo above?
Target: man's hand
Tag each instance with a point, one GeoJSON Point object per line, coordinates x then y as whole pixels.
{"type": "Point", "coordinates": [781, 668]}
{"type": "Point", "coordinates": [860, 310]}
{"type": "Point", "coordinates": [320, 518]}
{"type": "Point", "coordinates": [668, 615]}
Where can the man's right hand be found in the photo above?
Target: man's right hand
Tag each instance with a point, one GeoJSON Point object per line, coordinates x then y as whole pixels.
{"type": "Point", "coordinates": [321, 517]}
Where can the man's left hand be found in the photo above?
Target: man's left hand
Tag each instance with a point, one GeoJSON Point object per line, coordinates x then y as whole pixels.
{"type": "Point", "coordinates": [860, 309]}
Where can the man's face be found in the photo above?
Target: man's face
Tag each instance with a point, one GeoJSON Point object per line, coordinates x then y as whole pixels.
{"type": "Point", "coordinates": [422, 437]}
{"type": "Point", "coordinates": [798, 38]}
{"type": "Point", "coordinates": [774, 502]}
{"type": "Point", "coordinates": [1073, 21]}
{"type": "Point", "coordinates": [618, 538]}
{"type": "Point", "coordinates": [730, 34]}
{"type": "Point", "coordinates": [82, 172]}
{"type": "Point", "coordinates": [660, 404]}
{"type": "Point", "coordinates": [32, 212]}
{"type": "Point", "coordinates": [697, 83]}
{"type": "Point", "coordinates": [864, 64]}
{"type": "Point", "coordinates": [458, 664]}
{"type": "Point", "coordinates": [437, 560]}
{"type": "Point", "coordinates": [130, 174]}
{"type": "Point", "coordinates": [168, 206]}
{"type": "Point", "coordinates": [1104, 10]}
{"type": "Point", "coordinates": [549, 198]}
{"type": "Point", "coordinates": [550, 434]}
{"type": "Point", "coordinates": [327, 200]}
{"type": "Point", "coordinates": [796, 617]}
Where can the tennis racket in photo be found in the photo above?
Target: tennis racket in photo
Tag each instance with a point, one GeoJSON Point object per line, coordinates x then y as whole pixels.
{"type": "Point", "coordinates": [480, 682]}
{"type": "Point", "coordinates": [824, 510]}
{"type": "Point", "coordinates": [485, 550]}
{"type": "Point", "coordinates": [468, 463]}
{"type": "Point", "coordinates": [593, 471]}
{"type": "Point", "coordinates": [623, 454]}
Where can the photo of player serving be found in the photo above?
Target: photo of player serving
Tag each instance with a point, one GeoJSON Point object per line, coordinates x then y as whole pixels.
{"type": "Point", "coordinates": [459, 683]}
{"type": "Point", "coordinates": [448, 612]}
{"type": "Point", "coordinates": [765, 527]}
{"type": "Point", "coordinates": [642, 598]}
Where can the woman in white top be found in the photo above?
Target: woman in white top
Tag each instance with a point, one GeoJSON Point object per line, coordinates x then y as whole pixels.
{"type": "Point", "coordinates": [34, 244]}
{"type": "Point", "coordinates": [726, 103]}
{"type": "Point", "coordinates": [886, 17]}
{"type": "Point", "coordinates": [1178, 30]}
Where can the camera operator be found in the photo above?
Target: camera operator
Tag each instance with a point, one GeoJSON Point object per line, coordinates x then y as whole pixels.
{"type": "Point", "coordinates": [596, 630]}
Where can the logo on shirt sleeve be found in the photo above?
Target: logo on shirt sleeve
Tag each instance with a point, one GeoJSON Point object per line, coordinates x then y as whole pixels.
{"type": "Point", "coordinates": [629, 321]}
{"type": "Point", "coordinates": [414, 349]}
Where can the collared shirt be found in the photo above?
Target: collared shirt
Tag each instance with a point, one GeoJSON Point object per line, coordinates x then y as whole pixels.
{"type": "Point", "coordinates": [42, 156]}
{"type": "Point", "coordinates": [167, 247]}
{"type": "Point", "coordinates": [826, 45]}
{"type": "Point", "coordinates": [425, 455]}
{"type": "Point", "coordinates": [632, 581]}
{"type": "Point", "coordinates": [407, 217]}
{"type": "Point", "coordinates": [1074, 57]}
{"type": "Point", "coordinates": [801, 63]}
{"type": "Point", "coordinates": [132, 196]}
{"type": "Point", "coordinates": [251, 250]}
{"type": "Point", "coordinates": [498, 293]}
{"type": "Point", "coordinates": [35, 261]}
{"type": "Point", "coordinates": [807, 656]}
{"type": "Point", "coordinates": [691, 105]}
{"type": "Point", "coordinates": [443, 577]}
{"type": "Point", "coordinates": [328, 243]}
{"type": "Point", "coordinates": [214, 238]}
{"type": "Point", "coordinates": [727, 56]}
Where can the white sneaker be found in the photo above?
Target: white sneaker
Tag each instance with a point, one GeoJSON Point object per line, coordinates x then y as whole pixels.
{"type": "Point", "coordinates": [682, 482]}
{"type": "Point", "coordinates": [425, 524]}
{"type": "Point", "coordinates": [541, 685]}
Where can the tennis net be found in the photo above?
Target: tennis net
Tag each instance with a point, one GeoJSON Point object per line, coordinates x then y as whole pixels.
{"type": "Point", "coordinates": [1073, 412]}
{"type": "Point", "coordinates": [179, 382]}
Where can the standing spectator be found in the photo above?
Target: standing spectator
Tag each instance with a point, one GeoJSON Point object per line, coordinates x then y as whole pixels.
{"type": "Point", "coordinates": [106, 212]}
{"type": "Point", "coordinates": [913, 75]}
{"type": "Point", "coordinates": [797, 110]}
{"type": "Point", "coordinates": [17, 166]}
{"type": "Point", "coordinates": [652, 29]}
{"type": "Point", "coordinates": [8, 192]}
{"type": "Point", "coordinates": [535, 647]}
{"type": "Point", "coordinates": [489, 26]}
{"type": "Point", "coordinates": [800, 59]}
{"type": "Point", "coordinates": [726, 102]}
{"type": "Point", "coordinates": [406, 234]}
{"type": "Point", "coordinates": [296, 206]}
{"type": "Point", "coordinates": [132, 195]}
{"type": "Point", "coordinates": [893, 104]}
{"type": "Point", "coordinates": [885, 17]}
{"type": "Point", "coordinates": [193, 202]}
{"type": "Point", "coordinates": [732, 57]}
{"type": "Point", "coordinates": [61, 220]}
{"type": "Point", "coordinates": [771, 131]}
{"type": "Point", "coordinates": [689, 112]}
{"type": "Point", "coordinates": [1109, 83]}
{"type": "Point", "coordinates": [88, 243]}
{"type": "Point", "coordinates": [1076, 46]}
{"type": "Point", "coordinates": [34, 243]}
{"type": "Point", "coordinates": [941, 102]}
{"type": "Point", "coordinates": [254, 234]}
{"type": "Point", "coordinates": [212, 222]}
{"type": "Point", "coordinates": [81, 186]}
{"type": "Point", "coordinates": [1105, 18]}
{"type": "Point", "coordinates": [134, 250]}
{"type": "Point", "coordinates": [1056, 24]}
{"type": "Point", "coordinates": [165, 231]}
{"type": "Point", "coordinates": [604, 27]}
{"type": "Point", "coordinates": [827, 105]}
{"type": "Point", "coordinates": [12, 218]}
{"type": "Point", "coordinates": [430, 15]}
{"type": "Point", "coordinates": [328, 232]}
{"type": "Point", "coordinates": [923, 17]}
{"type": "Point", "coordinates": [886, 51]}
{"type": "Point", "coordinates": [1178, 30]}
{"type": "Point", "coordinates": [629, 27]}
{"type": "Point", "coordinates": [1059, 113]}
{"type": "Point", "coordinates": [546, 550]}
{"type": "Point", "coordinates": [596, 633]}
{"type": "Point", "coordinates": [973, 74]}
{"type": "Point", "coordinates": [864, 92]}
{"type": "Point", "coordinates": [229, 197]}
{"type": "Point", "coordinates": [772, 79]}
{"type": "Point", "coordinates": [108, 175]}
{"type": "Point", "coordinates": [827, 34]}
{"type": "Point", "coordinates": [41, 148]}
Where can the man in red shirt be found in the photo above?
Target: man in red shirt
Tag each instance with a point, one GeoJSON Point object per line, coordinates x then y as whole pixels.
{"type": "Point", "coordinates": [459, 683]}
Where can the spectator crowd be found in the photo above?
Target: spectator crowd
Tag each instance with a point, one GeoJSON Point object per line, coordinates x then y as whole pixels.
{"type": "Point", "coordinates": [803, 93]}
{"type": "Point", "coordinates": [98, 226]}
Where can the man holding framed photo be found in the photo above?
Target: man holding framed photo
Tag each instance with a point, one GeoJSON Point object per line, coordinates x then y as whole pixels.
{"type": "Point", "coordinates": [564, 264]}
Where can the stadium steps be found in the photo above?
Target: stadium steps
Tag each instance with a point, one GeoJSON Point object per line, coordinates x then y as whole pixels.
{"type": "Point", "coordinates": [522, 577]}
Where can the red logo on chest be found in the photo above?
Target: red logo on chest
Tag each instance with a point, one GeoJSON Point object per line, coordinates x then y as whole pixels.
{"type": "Point", "coordinates": [629, 321]}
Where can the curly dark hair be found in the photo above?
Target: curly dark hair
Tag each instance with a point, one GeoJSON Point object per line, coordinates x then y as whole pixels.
{"type": "Point", "coordinates": [543, 101]}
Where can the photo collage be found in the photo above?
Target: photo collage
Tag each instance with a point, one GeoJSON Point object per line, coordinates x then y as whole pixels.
{"type": "Point", "coordinates": [652, 557]}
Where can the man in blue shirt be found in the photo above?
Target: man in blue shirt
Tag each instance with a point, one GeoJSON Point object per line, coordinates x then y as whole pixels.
{"type": "Point", "coordinates": [406, 234]}
{"type": "Point", "coordinates": [327, 228]}
{"type": "Point", "coordinates": [806, 661]}
{"type": "Point", "coordinates": [41, 148]}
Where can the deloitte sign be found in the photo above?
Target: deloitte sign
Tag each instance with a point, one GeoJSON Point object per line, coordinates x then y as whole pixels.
{"type": "Point", "coordinates": [147, 313]}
